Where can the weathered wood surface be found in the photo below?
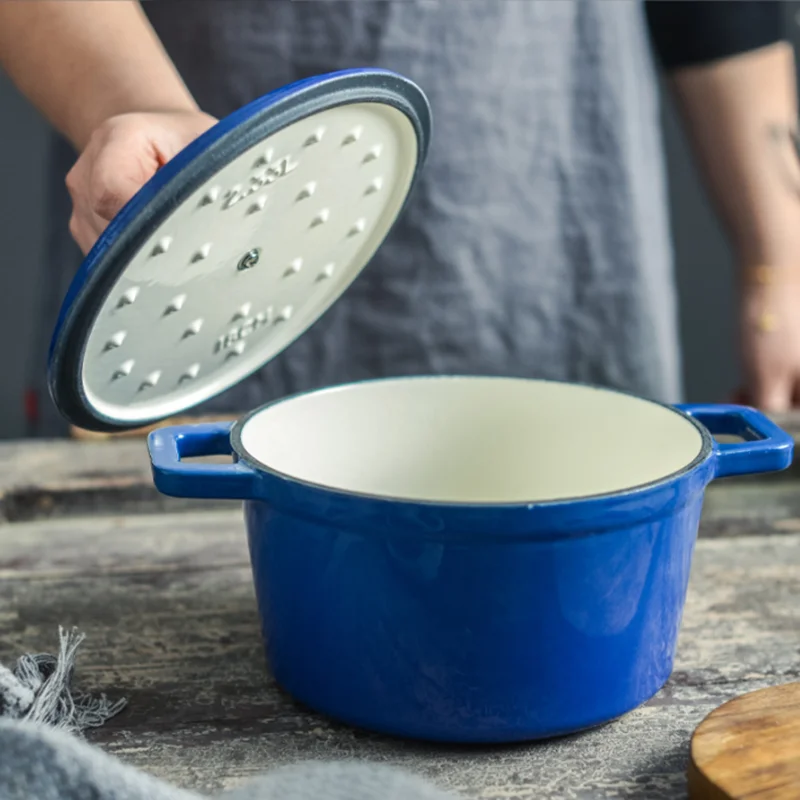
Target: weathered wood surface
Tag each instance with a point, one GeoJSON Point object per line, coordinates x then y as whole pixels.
{"type": "Point", "coordinates": [167, 603]}
{"type": "Point", "coordinates": [41, 479]}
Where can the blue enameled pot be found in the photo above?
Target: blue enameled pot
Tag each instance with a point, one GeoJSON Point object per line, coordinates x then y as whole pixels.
{"type": "Point", "coordinates": [470, 559]}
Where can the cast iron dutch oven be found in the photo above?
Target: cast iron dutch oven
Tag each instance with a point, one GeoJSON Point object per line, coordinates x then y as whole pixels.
{"type": "Point", "coordinates": [458, 558]}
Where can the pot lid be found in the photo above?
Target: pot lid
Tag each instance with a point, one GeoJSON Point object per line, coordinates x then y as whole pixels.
{"type": "Point", "coordinates": [236, 247]}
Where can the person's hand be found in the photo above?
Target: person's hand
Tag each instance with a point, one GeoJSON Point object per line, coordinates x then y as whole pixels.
{"type": "Point", "coordinates": [770, 338]}
{"type": "Point", "coordinates": [122, 154]}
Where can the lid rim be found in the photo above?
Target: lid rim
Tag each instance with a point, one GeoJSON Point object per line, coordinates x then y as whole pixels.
{"type": "Point", "coordinates": [171, 185]}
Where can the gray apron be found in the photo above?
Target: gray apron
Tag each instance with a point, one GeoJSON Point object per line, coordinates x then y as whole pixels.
{"type": "Point", "coordinates": [537, 241]}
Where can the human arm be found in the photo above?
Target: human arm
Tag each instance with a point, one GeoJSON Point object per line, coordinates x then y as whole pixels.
{"type": "Point", "coordinates": [99, 74]}
{"type": "Point", "coordinates": [731, 109]}
{"type": "Point", "coordinates": [732, 96]}
{"type": "Point", "coordinates": [83, 62]}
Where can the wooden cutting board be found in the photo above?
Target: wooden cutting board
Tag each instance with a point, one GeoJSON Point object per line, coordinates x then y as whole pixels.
{"type": "Point", "coordinates": [749, 748]}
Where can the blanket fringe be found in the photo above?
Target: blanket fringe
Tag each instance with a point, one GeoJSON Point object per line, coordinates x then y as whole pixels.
{"type": "Point", "coordinates": [39, 689]}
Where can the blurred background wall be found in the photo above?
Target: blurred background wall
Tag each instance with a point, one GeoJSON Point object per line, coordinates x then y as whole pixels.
{"type": "Point", "coordinates": [704, 267]}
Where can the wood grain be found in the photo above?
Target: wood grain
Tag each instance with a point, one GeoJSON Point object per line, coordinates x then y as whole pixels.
{"type": "Point", "coordinates": [52, 479]}
{"type": "Point", "coordinates": [749, 748]}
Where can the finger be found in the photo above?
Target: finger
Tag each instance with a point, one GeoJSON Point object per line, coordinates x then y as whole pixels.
{"type": "Point", "coordinates": [82, 232]}
{"type": "Point", "coordinates": [116, 176]}
{"type": "Point", "coordinates": [774, 396]}
{"type": "Point", "coordinates": [108, 193]}
{"type": "Point", "coordinates": [80, 223]}
{"type": "Point", "coordinates": [87, 224]}
{"type": "Point", "coordinates": [76, 180]}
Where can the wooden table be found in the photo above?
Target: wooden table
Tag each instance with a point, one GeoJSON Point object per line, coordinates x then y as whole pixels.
{"type": "Point", "coordinates": [163, 590]}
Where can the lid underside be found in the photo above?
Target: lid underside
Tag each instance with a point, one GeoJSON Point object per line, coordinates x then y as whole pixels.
{"type": "Point", "coordinates": [251, 255]}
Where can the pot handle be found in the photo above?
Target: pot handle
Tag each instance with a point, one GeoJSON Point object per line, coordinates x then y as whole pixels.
{"type": "Point", "coordinates": [176, 478]}
{"type": "Point", "coordinates": [766, 448]}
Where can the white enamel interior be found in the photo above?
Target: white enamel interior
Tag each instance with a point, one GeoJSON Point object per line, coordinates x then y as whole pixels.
{"type": "Point", "coordinates": [472, 440]}
{"type": "Point", "coordinates": [183, 323]}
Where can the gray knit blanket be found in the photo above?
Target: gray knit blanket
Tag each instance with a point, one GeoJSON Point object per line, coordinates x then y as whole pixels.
{"type": "Point", "coordinates": [43, 755]}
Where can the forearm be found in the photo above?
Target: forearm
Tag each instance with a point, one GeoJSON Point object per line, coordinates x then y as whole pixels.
{"type": "Point", "coordinates": [81, 62]}
{"type": "Point", "coordinates": [731, 107]}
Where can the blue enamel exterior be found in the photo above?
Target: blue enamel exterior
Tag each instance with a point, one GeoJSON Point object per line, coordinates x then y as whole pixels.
{"type": "Point", "coordinates": [470, 641]}
{"type": "Point", "coordinates": [761, 450]}
{"type": "Point", "coordinates": [469, 623]}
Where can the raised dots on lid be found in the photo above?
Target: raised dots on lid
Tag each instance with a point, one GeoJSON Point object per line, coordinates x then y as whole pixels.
{"type": "Point", "coordinates": [228, 269]}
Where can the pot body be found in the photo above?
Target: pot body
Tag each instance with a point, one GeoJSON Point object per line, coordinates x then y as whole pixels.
{"type": "Point", "coordinates": [467, 621]}
{"type": "Point", "coordinates": [471, 641]}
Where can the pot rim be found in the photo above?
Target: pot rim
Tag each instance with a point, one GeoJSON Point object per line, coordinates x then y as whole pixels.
{"type": "Point", "coordinates": [706, 452]}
